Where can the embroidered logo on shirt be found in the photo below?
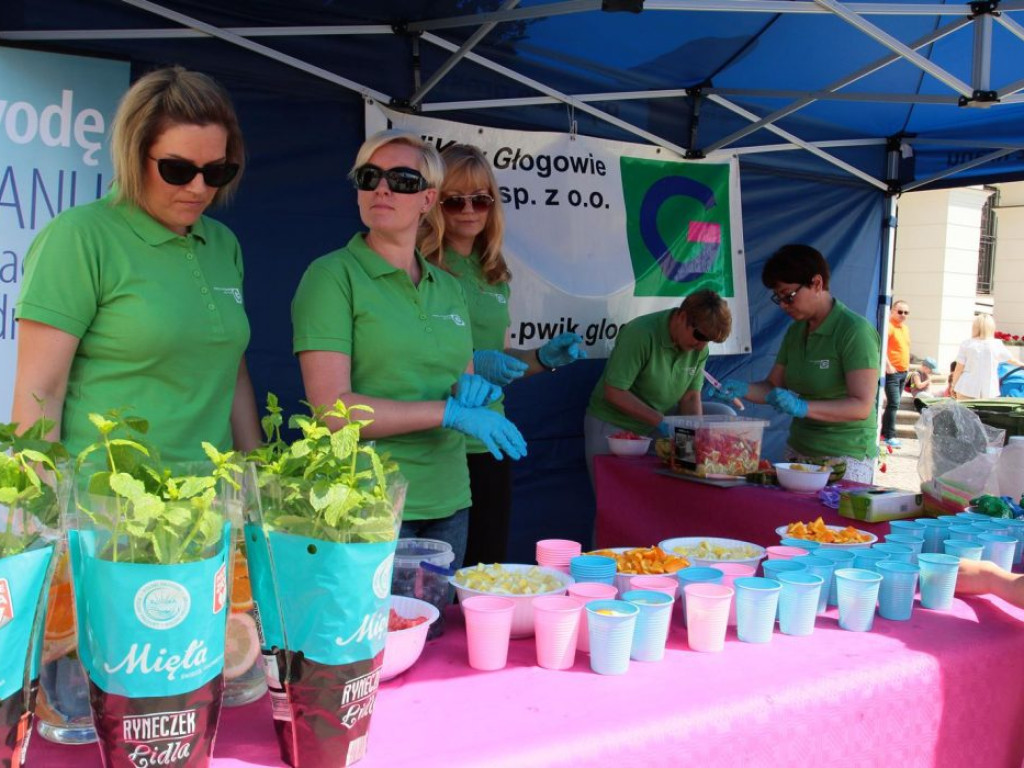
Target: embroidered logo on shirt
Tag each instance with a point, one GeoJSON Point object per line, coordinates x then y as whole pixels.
{"type": "Point", "coordinates": [822, 364]}
{"type": "Point", "coordinates": [232, 292]}
{"type": "Point", "coordinates": [498, 297]}
{"type": "Point", "coordinates": [455, 318]}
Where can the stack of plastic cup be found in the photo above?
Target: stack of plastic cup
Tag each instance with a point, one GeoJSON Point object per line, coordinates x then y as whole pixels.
{"type": "Point", "coordinates": [696, 574]}
{"type": "Point", "coordinates": [807, 544]}
{"type": "Point", "coordinates": [556, 624]}
{"type": "Point", "coordinates": [866, 559]}
{"type": "Point", "coordinates": [556, 553]}
{"type": "Point", "coordinates": [780, 552]}
{"type": "Point", "coordinates": [951, 519]}
{"type": "Point", "coordinates": [898, 552]}
{"type": "Point", "coordinates": [798, 602]}
{"type": "Point", "coordinates": [1016, 526]}
{"type": "Point", "coordinates": [651, 630]}
{"type": "Point", "coordinates": [488, 628]}
{"type": "Point", "coordinates": [757, 601]}
{"type": "Point", "coordinates": [707, 615]}
{"type": "Point", "coordinates": [938, 580]}
{"type": "Point", "coordinates": [972, 516]}
{"type": "Point", "coordinates": [998, 549]}
{"type": "Point", "coordinates": [731, 572]}
{"type": "Point", "coordinates": [935, 531]}
{"type": "Point", "coordinates": [913, 540]}
{"type": "Point", "coordinates": [667, 585]}
{"type": "Point", "coordinates": [996, 525]}
{"type": "Point", "coordinates": [965, 550]}
{"type": "Point", "coordinates": [823, 567]}
{"type": "Point", "coordinates": [841, 558]}
{"type": "Point", "coordinates": [593, 568]}
{"type": "Point", "coordinates": [772, 569]}
{"type": "Point", "coordinates": [858, 594]}
{"type": "Point", "coordinates": [586, 592]}
{"type": "Point", "coordinates": [911, 527]}
{"type": "Point", "coordinates": [611, 624]}
{"type": "Point", "coordinates": [896, 593]}
{"type": "Point", "coordinates": [963, 531]}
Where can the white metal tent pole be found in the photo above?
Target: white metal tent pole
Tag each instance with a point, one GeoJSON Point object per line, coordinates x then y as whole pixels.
{"type": "Point", "coordinates": [169, 33]}
{"type": "Point", "coordinates": [263, 50]}
{"type": "Point", "coordinates": [958, 168]}
{"type": "Point", "coordinates": [1010, 24]}
{"type": "Point", "coordinates": [981, 60]}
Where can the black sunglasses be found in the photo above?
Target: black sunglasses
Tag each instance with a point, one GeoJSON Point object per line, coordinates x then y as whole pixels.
{"type": "Point", "coordinates": [456, 203]}
{"type": "Point", "coordinates": [698, 335]}
{"type": "Point", "coordinates": [902, 311]}
{"type": "Point", "coordinates": [181, 172]}
{"type": "Point", "coordinates": [403, 181]}
{"type": "Point", "coordinates": [787, 298]}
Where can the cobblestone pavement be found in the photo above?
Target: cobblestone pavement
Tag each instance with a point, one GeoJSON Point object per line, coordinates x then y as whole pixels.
{"type": "Point", "coordinates": [900, 467]}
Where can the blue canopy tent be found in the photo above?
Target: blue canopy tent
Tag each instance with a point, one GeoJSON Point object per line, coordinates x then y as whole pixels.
{"type": "Point", "coordinates": [834, 109]}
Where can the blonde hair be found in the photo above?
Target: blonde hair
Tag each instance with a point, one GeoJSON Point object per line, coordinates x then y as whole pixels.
{"type": "Point", "coordinates": [984, 327]}
{"type": "Point", "coordinates": [158, 101]}
{"type": "Point", "coordinates": [708, 312]}
{"type": "Point", "coordinates": [431, 165]}
{"type": "Point", "coordinates": [467, 168]}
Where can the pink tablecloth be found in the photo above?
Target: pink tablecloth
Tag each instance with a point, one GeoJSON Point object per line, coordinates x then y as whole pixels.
{"type": "Point", "coordinates": [944, 689]}
{"type": "Point", "coordinates": [637, 507]}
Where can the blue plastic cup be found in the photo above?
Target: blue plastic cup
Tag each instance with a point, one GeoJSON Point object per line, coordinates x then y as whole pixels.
{"type": "Point", "coordinates": [999, 549]}
{"type": "Point", "coordinates": [772, 568]}
{"type": "Point", "coordinates": [896, 593]}
{"type": "Point", "coordinates": [757, 600]}
{"type": "Point", "coordinates": [866, 559]}
{"type": "Point", "coordinates": [841, 558]}
{"type": "Point", "coordinates": [1016, 526]}
{"type": "Point", "coordinates": [810, 546]}
{"type": "Point", "coordinates": [938, 580]}
{"type": "Point", "coordinates": [696, 574]}
{"type": "Point", "coordinates": [593, 568]}
{"type": "Point", "coordinates": [651, 630]}
{"type": "Point", "coordinates": [858, 593]}
{"type": "Point", "coordinates": [997, 526]}
{"type": "Point", "coordinates": [935, 532]}
{"type": "Point", "coordinates": [912, 540]}
{"type": "Point", "coordinates": [913, 527]}
{"type": "Point", "coordinates": [965, 550]}
{"type": "Point", "coordinates": [951, 519]}
{"type": "Point", "coordinates": [963, 531]}
{"type": "Point", "coordinates": [819, 566]}
{"type": "Point", "coordinates": [898, 552]}
{"type": "Point", "coordinates": [798, 601]}
{"type": "Point", "coordinates": [968, 515]}
{"type": "Point", "coordinates": [611, 624]}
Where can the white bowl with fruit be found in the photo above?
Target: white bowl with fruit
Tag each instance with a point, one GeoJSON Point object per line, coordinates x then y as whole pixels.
{"type": "Point", "coordinates": [409, 621]}
{"type": "Point", "coordinates": [628, 444]}
{"type": "Point", "coordinates": [713, 550]}
{"type": "Point", "coordinates": [520, 583]}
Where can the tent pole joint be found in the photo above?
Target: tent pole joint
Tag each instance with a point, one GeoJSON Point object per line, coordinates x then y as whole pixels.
{"type": "Point", "coordinates": [616, 6]}
{"type": "Point", "coordinates": [979, 99]}
{"type": "Point", "coordinates": [981, 7]}
{"type": "Point", "coordinates": [403, 105]}
{"type": "Point", "coordinates": [401, 28]}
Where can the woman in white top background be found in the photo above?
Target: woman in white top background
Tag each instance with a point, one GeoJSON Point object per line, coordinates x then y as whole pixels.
{"type": "Point", "coordinates": [975, 375]}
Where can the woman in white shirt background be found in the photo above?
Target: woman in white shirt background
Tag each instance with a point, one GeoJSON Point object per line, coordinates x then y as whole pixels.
{"type": "Point", "coordinates": [975, 375]}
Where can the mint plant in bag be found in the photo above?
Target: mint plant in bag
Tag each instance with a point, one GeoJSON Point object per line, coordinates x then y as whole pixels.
{"type": "Point", "coordinates": [321, 540]}
{"type": "Point", "coordinates": [150, 558]}
{"type": "Point", "coordinates": [31, 497]}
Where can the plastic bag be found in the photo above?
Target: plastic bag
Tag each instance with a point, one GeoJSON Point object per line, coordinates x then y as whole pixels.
{"type": "Point", "coordinates": [953, 439]}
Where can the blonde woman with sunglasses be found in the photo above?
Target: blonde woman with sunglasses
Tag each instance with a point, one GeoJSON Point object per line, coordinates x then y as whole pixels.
{"type": "Point", "coordinates": [135, 301]}
{"type": "Point", "coordinates": [826, 373]}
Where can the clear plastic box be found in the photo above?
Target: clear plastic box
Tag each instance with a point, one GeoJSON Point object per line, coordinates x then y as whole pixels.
{"type": "Point", "coordinates": [716, 445]}
{"type": "Point", "coordinates": [421, 570]}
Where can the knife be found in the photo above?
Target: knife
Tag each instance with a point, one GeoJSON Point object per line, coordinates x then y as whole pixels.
{"type": "Point", "coordinates": [718, 386]}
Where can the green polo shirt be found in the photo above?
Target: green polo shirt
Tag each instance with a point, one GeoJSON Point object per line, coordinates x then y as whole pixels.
{"type": "Point", "coordinates": [406, 342]}
{"type": "Point", "coordinates": [488, 314]}
{"type": "Point", "coordinates": [160, 320]}
{"type": "Point", "coordinates": [816, 366]}
{"type": "Point", "coordinates": [648, 363]}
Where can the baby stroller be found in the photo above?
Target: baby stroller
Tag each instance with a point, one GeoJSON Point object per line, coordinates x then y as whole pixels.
{"type": "Point", "coordinates": [1011, 380]}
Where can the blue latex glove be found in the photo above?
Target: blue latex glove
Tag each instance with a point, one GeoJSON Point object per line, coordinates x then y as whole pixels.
{"type": "Point", "coordinates": [663, 430]}
{"type": "Point", "coordinates": [497, 367]}
{"type": "Point", "coordinates": [563, 349]}
{"type": "Point", "coordinates": [495, 431]}
{"type": "Point", "coordinates": [787, 401]}
{"type": "Point", "coordinates": [474, 391]}
{"type": "Point", "coordinates": [731, 389]}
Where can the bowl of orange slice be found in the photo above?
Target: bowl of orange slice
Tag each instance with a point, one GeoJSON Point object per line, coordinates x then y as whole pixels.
{"type": "Point", "coordinates": [637, 561]}
{"type": "Point", "coordinates": [828, 536]}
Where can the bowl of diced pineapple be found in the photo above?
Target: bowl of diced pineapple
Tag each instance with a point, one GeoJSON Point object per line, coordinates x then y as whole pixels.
{"type": "Point", "coordinates": [520, 583]}
{"type": "Point", "coordinates": [713, 550]}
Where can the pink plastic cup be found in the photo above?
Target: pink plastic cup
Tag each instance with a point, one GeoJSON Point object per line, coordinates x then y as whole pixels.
{"type": "Point", "coordinates": [707, 614]}
{"type": "Point", "coordinates": [556, 624]}
{"type": "Point", "coordinates": [668, 585]}
{"type": "Point", "coordinates": [488, 629]}
{"type": "Point", "coordinates": [585, 591]}
{"type": "Point", "coordinates": [556, 553]}
{"type": "Point", "coordinates": [780, 552]}
{"type": "Point", "coordinates": [731, 572]}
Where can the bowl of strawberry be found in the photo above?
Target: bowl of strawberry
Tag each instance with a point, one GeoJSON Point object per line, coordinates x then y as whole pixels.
{"type": "Point", "coordinates": [408, 623]}
{"type": "Point", "coordinates": [628, 444]}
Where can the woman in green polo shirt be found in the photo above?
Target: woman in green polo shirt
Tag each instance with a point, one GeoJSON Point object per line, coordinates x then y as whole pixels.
{"type": "Point", "coordinates": [464, 234]}
{"type": "Point", "coordinates": [134, 302]}
{"type": "Point", "coordinates": [826, 371]}
{"type": "Point", "coordinates": [375, 323]}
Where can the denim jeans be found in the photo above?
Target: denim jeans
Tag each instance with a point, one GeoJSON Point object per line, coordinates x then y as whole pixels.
{"type": "Point", "coordinates": [453, 529]}
{"type": "Point", "coordinates": [893, 392]}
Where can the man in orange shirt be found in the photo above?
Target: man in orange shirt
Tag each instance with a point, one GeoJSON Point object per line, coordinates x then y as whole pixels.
{"type": "Point", "coordinates": [897, 363]}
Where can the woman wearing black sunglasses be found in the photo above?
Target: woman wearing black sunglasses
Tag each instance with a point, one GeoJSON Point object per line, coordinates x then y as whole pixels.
{"type": "Point", "coordinates": [464, 234]}
{"type": "Point", "coordinates": [135, 301]}
{"type": "Point", "coordinates": [826, 372]}
{"type": "Point", "coordinates": [375, 323]}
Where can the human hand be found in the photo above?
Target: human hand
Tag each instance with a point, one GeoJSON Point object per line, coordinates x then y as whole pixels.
{"type": "Point", "coordinates": [495, 431]}
{"type": "Point", "coordinates": [473, 391]}
{"type": "Point", "coordinates": [497, 367]}
{"type": "Point", "coordinates": [663, 430]}
{"type": "Point", "coordinates": [563, 349]}
{"type": "Point", "coordinates": [975, 577]}
{"type": "Point", "coordinates": [731, 390]}
{"type": "Point", "coordinates": [788, 402]}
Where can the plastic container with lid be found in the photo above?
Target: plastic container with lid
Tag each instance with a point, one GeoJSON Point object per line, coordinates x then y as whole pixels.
{"type": "Point", "coordinates": [422, 569]}
{"type": "Point", "coordinates": [1010, 469]}
{"type": "Point", "coordinates": [717, 444]}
